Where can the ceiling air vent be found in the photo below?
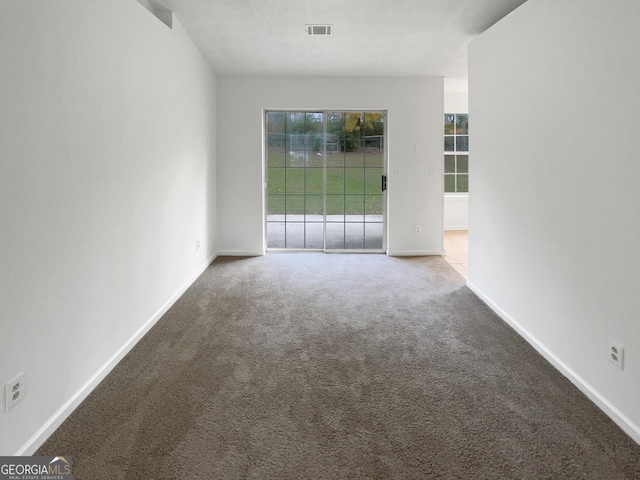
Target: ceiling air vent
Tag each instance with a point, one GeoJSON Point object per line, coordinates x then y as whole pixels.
{"type": "Point", "coordinates": [319, 29]}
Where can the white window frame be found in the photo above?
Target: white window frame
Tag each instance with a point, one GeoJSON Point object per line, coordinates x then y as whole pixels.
{"type": "Point", "coordinates": [455, 153]}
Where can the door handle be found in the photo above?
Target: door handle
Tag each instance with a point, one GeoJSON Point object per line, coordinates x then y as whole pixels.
{"type": "Point", "coordinates": [384, 183]}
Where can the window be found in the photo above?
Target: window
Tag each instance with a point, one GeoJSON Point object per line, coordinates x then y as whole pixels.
{"type": "Point", "coordinates": [324, 172]}
{"type": "Point", "coordinates": [456, 153]}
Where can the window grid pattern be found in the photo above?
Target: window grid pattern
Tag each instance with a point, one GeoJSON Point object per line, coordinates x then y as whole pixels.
{"type": "Point", "coordinates": [456, 157]}
{"type": "Point", "coordinates": [323, 186]}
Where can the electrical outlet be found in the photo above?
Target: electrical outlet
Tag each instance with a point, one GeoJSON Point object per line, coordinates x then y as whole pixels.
{"type": "Point", "coordinates": [616, 353]}
{"type": "Point", "coordinates": [14, 391]}
{"type": "Point", "coordinates": [418, 229]}
{"type": "Point", "coordinates": [197, 245]}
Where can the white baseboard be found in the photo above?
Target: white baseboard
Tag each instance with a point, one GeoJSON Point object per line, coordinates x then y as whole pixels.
{"type": "Point", "coordinates": [414, 253]}
{"type": "Point", "coordinates": [592, 394]}
{"type": "Point", "coordinates": [239, 253]}
{"type": "Point", "coordinates": [70, 405]}
{"type": "Point", "coordinates": [464, 227]}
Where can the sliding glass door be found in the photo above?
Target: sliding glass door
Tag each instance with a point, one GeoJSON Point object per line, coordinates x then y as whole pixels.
{"type": "Point", "coordinates": [325, 180]}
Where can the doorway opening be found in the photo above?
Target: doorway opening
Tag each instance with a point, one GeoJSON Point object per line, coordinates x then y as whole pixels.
{"type": "Point", "coordinates": [325, 181]}
{"type": "Point", "coordinates": [456, 190]}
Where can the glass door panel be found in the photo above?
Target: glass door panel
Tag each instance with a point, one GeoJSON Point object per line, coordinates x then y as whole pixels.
{"type": "Point", "coordinates": [275, 154]}
{"type": "Point", "coordinates": [324, 174]}
{"type": "Point", "coordinates": [374, 148]}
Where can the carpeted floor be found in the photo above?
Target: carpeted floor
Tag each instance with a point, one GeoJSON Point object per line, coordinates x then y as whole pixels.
{"type": "Point", "coordinates": [315, 366]}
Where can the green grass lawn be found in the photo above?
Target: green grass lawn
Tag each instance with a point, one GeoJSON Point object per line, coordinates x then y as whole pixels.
{"type": "Point", "coordinates": [279, 157]}
{"type": "Point", "coordinates": [295, 185]}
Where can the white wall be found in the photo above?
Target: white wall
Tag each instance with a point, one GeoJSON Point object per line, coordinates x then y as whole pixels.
{"type": "Point", "coordinates": [456, 102]}
{"type": "Point", "coordinates": [456, 211]}
{"type": "Point", "coordinates": [107, 178]}
{"type": "Point", "coordinates": [415, 152]}
{"type": "Point", "coordinates": [456, 205]}
{"type": "Point", "coordinates": [554, 223]}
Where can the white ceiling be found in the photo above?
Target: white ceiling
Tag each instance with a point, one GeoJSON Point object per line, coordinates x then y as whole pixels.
{"type": "Point", "coordinates": [370, 37]}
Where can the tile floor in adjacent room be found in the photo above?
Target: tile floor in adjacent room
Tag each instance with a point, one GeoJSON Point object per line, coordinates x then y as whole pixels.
{"type": "Point", "coordinates": [456, 247]}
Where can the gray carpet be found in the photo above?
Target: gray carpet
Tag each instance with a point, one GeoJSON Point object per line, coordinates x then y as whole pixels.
{"type": "Point", "coordinates": [315, 366]}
